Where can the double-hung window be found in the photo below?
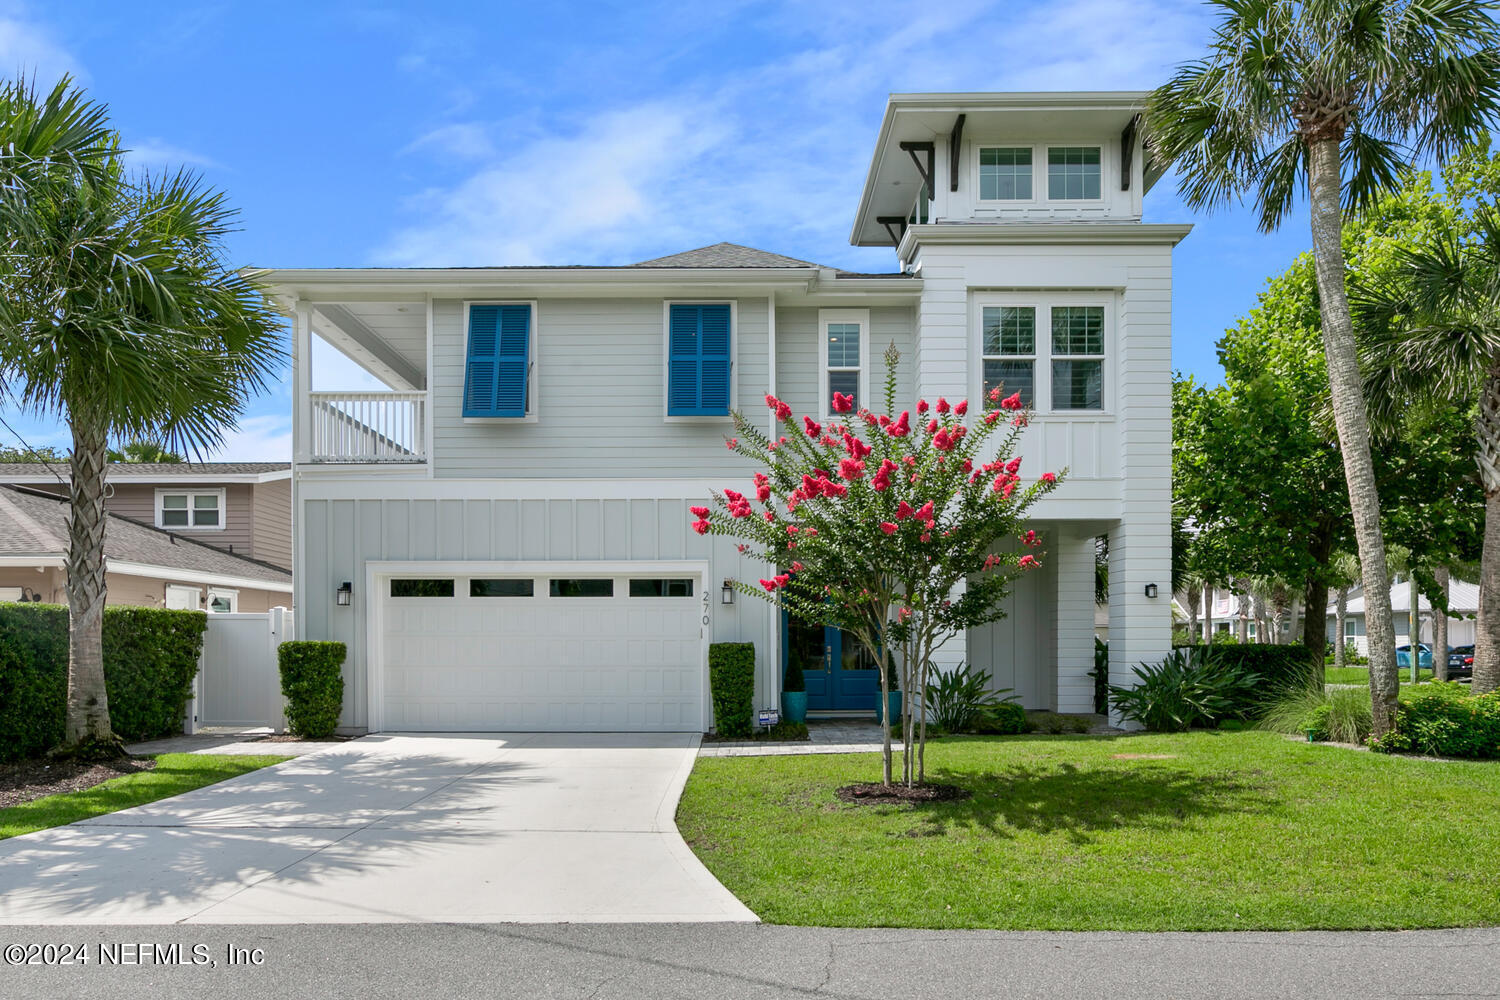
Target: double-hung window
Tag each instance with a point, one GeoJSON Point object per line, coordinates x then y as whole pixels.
{"type": "Point", "coordinates": [699, 359]}
{"type": "Point", "coordinates": [190, 509]}
{"type": "Point", "coordinates": [844, 353]}
{"type": "Point", "coordinates": [1008, 348]}
{"type": "Point", "coordinates": [1077, 357]}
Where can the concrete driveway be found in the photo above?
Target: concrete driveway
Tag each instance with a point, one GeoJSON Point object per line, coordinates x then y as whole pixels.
{"type": "Point", "coordinates": [531, 827]}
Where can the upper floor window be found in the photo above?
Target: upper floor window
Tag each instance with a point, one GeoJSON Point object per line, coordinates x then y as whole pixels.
{"type": "Point", "coordinates": [190, 509]}
{"type": "Point", "coordinates": [1005, 173]}
{"type": "Point", "coordinates": [844, 353]}
{"type": "Point", "coordinates": [497, 366]}
{"type": "Point", "coordinates": [1077, 357]}
{"type": "Point", "coordinates": [699, 359]}
{"type": "Point", "coordinates": [1073, 173]}
{"type": "Point", "coordinates": [1050, 347]}
{"type": "Point", "coordinates": [1008, 347]}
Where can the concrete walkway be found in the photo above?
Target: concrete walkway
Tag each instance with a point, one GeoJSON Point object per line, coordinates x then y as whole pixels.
{"type": "Point", "coordinates": [233, 742]}
{"type": "Point", "coordinates": [531, 827]}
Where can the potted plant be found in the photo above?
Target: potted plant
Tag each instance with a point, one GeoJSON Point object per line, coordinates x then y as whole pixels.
{"type": "Point", "coordinates": [793, 690]}
{"type": "Point", "coordinates": [893, 699]}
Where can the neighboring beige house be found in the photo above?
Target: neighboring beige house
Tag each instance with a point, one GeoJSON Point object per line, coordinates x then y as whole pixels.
{"type": "Point", "coordinates": [215, 536]}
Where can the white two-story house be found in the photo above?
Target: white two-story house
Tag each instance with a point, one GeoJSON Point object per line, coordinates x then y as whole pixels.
{"type": "Point", "coordinates": [502, 537]}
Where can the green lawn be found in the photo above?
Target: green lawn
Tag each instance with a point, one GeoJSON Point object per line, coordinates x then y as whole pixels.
{"type": "Point", "coordinates": [1243, 830]}
{"type": "Point", "coordinates": [1361, 675]}
{"type": "Point", "coordinates": [174, 774]}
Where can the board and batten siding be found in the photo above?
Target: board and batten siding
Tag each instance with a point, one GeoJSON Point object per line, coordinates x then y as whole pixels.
{"type": "Point", "coordinates": [1019, 649]}
{"type": "Point", "coordinates": [341, 536]}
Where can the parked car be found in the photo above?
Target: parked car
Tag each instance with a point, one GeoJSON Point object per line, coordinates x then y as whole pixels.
{"type": "Point", "coordinates": [1424, 657]}
{"type": "Point", "coordinates": [1461, 662]}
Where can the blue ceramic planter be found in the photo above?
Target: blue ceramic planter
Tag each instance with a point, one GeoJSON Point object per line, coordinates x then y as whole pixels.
{"type": "Point", "coordinates": [794, 706]}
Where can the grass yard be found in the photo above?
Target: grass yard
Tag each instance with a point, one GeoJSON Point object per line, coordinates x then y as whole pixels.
{"type": "Point", "coordinates": [174, 774]}
{"type": "Point", "coordinates": [1361, 675]}
{"type": "Point", "coordinates": [1198, 831]}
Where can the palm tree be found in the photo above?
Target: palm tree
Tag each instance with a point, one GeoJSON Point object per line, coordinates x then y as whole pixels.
{"type": "Point", "coordinates": [1337, 95]}
{"type": "Point", "coordinates": [139, 452]}
{"type": "Point", "coordinates": [1345, 573]}
{"type": "Point", "coordinates": [118, 316]}
{"type": "Point", "coordinates": [1434, 326]}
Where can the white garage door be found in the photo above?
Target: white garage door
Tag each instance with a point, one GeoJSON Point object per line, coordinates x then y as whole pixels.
{"type": "Point", "coordinates": [541, 653]}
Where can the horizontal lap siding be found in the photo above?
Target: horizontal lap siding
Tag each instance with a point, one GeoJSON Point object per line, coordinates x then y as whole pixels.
{"type": "Point", "coordinates": [798, 353]}
{"type": "Point", "coordinates": [342, 536]}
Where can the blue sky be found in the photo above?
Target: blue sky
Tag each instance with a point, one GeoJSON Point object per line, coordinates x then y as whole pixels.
{"type": "Point", "coordinates": [412, 133]}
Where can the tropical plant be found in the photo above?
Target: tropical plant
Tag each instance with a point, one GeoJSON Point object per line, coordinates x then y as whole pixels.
{"type": "Point", "coordinates": [1336, 94]}
{"type": "Point", "coordinates": [141, 452]}
{"type": "Point", "coordinates": [119, 317]}
{"type": "Point", "coordinates": [1187, 688]}
{"type": "Point", "coordinates": [905, 536]}
{"type": "Point", "coordinates": [958, 698]}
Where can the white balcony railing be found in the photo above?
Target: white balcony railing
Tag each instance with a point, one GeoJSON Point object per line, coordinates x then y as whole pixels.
{"type": "Point", "coordinates": [368, 427]}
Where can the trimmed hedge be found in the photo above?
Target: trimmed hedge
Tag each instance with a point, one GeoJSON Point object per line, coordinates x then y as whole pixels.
{"type": "Point", "coordinates": [313, 681]}
{"type": "Point", "coordinates": [1445, 722]}
{"type": "Point", "coordinates": [731, 677]}
{"type": "Point", "coordinates": [150, 659]}
{"type": "Point", "coordinates": [1276, 666]}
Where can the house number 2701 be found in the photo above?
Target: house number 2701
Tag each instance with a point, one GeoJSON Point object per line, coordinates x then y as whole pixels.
{"type": "Point", "coordinates": [705, 607]}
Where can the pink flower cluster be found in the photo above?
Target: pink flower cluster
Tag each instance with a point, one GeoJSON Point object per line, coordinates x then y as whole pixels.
{"type": "Point", "coordinates": [738, 505]}
{"type": "Point", "coordinates": [700, 525]}
{"type": "Point", "coordinates": [762, 487]}
{"type": "Point", "coordinates": [1031, 539]}
{"type": "Point", "coordinates": [779, 580]}
{"type": "Point", "coordinates": [881, 481]}
{"type": "Point", "coordinates": [783, 411]}
{"type": "Point", "coordinates": [842, 403]}
{"type": "Point", "coordinates": [1028, 561]}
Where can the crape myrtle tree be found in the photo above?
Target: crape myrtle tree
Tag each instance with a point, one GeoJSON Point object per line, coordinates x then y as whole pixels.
{"type": "Point", "coordinates": [1332, 98]}
{"type": "Point", "coordinates": [898, 529]}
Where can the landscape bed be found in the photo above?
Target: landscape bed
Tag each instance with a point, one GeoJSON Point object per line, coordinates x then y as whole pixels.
{"type": "Point", "coordinates": [1195, 831]}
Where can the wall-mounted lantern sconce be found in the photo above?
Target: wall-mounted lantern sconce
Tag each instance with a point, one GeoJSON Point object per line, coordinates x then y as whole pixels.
{"type": "Point", "coordinates": [345, 593]}
{"type": "Point", "coordinates": [726, 596]}
{"type": "Point", "coordinates": [1151, 590]}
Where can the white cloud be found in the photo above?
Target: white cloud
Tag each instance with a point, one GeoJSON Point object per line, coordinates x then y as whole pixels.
{"type": "Point", "coordinates": [772, 154]}
{"type": "Point", "coordinates": [29, 48]}
{"type": "Point", "coordinates": [159, 153]}
{"type": "Point", "coordinates": [264, 438]}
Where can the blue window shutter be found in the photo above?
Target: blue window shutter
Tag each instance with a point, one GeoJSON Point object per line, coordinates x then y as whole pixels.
{"type": "Point", "coordinates": [698, 366]}
{"type": "Point", "coordinates": [499, 354]}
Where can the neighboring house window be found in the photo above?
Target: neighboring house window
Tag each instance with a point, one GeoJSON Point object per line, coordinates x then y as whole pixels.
{"type": "Point", "coordinates": [1250, 630]}
{"type": "Point", "coordinates": [180, 598]}
{"type": "Point", "coordinates": [1005, 173]}
{"type": "Point", "coordinates": [223, 602]}
{"type": "Point", "coordinates": [190, 509]}
{"type": "Point", "coordinates": [497, 366]}
{"type": "Point", "coordinates": [698, 360]}
{"type": "Point", "coordinates": [844, 355]}
{"type": "Point", "coordinates": [1073, 173]}
{"type": "Point", "coordinates": [1353, 627]}
{"type": "Point", "coordinates": [1221, 627]}
{"type": "Point", "coordinates": [1008, 346]}
{"type": "Point", "coordinates": [1077, 357]}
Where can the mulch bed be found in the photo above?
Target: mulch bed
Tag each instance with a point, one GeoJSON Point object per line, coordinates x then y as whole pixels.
{"type": "Point", "coordinates": [873, 793]}
{"type": "Point", "coordinates": [34, 779]}
{"type": "Point", "coordinates": [289, 738]}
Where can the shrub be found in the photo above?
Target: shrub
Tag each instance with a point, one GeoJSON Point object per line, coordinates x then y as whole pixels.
{"type": "Point", "coordinates": [1341, 715]}
{"type": "Point", "coordinates": [1100, 674]}
{"type": "Point", "coordinates": [731, 676]}
{"type": "Point", "coordinates": [1053, 724]}
{"type": "Point", "coordinates": [787, 731]}
{"type": "Point", "coordinates": [1446, 723]}
{"type": "Point", "coordinates": [312, 680]}
{"type": "Point", "coordinates": [1187, 688]}
{"type": "Point", "coordinates": [150, 659]}
{"type": "Point", "coordinates": [957, 697]}
{"type": "Point", "coordinates": [1278, 667]}
{"type": "Point", "coordinates": [1003, 719]}
{"type": "Point", "coordinates": [793, 680]}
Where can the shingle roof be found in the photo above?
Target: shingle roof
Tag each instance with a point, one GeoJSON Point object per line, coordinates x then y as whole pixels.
{"type": "Point", "coordinates": [1462, 597]}
{"type": "Point", "coordinates": [147, 470]}
{"type": "Point", "coordinates": [725, 255]}
{"type": "Point", "coordinates": [36, 524]}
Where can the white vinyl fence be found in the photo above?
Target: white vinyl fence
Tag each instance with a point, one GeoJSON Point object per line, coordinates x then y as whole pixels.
{"type": "Point", "coordinates": [238, 682]}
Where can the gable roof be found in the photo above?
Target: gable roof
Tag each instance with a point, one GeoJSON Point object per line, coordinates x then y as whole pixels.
{"type": "Point", "coordinates": [725, 255]}
{"type": "Point", "coordinates": [198, 472]}
{"type": "Point", "coordinates": [1463, 598]}
{"type": "Point", "coordinates": [36, 524]}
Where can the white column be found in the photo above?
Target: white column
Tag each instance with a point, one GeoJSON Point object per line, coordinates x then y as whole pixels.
{"type": "Point", "coordinates": [302, 382]}
{"type": "Point", "coordinates": [1074, 558]}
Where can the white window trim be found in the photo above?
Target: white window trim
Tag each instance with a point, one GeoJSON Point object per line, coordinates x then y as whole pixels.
{"type": "Point", "coordinates": [190, 493]}
{"type": "Point", "coordinates": [734, 359]}
{"type": "Point", "coordinates": [534, 360]}
{"type": "Point", "coordinates": [825, 317]}
{"type": "Point", "coordinates": [1042, 370]}
{"type": "Point", "coordinates": [1103, 359]}
{"type": "Point", "coordinates": [232, 595]}
{"type": "Point", "coordinates": [1035, 357]}
{"type": "Point", "coordinates": [1039, 177]}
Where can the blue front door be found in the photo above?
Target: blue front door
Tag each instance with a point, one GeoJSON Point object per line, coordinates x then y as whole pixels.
{"type": "Point", "coordinates": [838, 668]}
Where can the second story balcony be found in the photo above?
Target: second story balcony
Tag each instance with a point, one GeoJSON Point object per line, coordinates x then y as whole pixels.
{"type": "Point", "coordinates": [368, 427]}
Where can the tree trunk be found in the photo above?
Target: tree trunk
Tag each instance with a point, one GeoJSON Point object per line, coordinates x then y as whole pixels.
{"type": "Point", "coordinates": [1339, 618]}
{"type": "Point", "coordinates": [1414, 626]}
{"type": "Point", "coordinates": [1242, 604]}
{"type": "Point", "coordinates": [1314, 640]}
{"type": "Point", "coordinates": [1487, 628]}
{"type": "Point", "coordinates": [1440, 629]}
{"type": "Point", "coordinates": [1208, 615]}
{"type": "Point", "coordinates": [87, 729]}
{"type": "Point", "coordinates": [1325, 187]}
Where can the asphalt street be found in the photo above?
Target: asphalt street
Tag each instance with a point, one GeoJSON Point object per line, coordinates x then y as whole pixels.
{"type": "Point", "coordinates": [456, 961]}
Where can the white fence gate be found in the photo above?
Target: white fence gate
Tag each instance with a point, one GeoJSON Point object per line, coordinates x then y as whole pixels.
{"type": "Point", "coordinates": [239, 683]}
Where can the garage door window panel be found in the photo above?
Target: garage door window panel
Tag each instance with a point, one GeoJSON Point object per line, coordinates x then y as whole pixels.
{"type": "Point", "coordinates": [421, 588]}
{"type": "Point", "coordinates": [581, 588]}
{"type": "Point", "coordinates": [513, 587]}
{"type": "Point", "coordinates": [673, 587]}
